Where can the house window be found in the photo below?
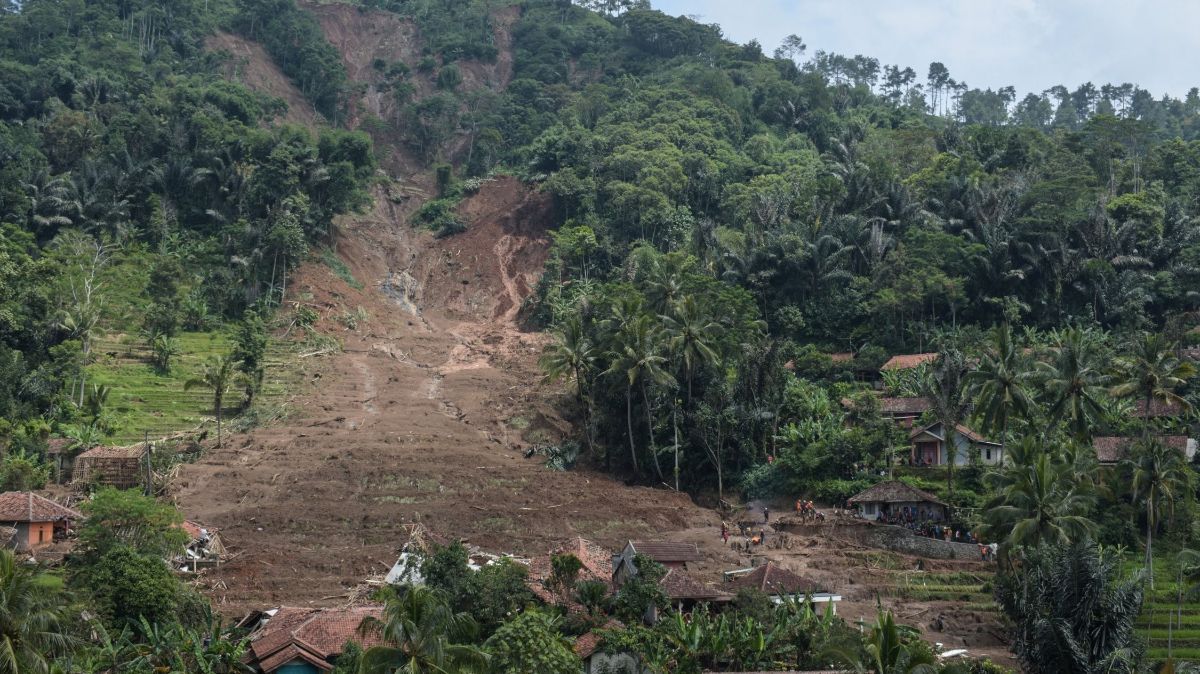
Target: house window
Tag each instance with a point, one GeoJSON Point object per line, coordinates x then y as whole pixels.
{"type": "Point", "coordinates": [41, 535]}
{"type": "Point", "coordinates": [988, 453]}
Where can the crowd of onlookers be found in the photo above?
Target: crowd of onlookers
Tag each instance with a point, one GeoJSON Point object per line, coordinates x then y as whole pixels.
{"type": "Point", "coordinates": [929, 523]}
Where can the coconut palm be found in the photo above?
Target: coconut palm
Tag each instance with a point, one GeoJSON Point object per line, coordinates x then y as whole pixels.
{"type": "Point", "coordinates": [218, 375]}
{"type": "Point", "coordinates": [1150, 372]}
{"type": "Point", "coordinates": [943, 386]}
{"type": "Point", "coordinates": [33, 616]}
{"type": "Point", "coordinates": [690, 337]}
{"type": "Point", "coordinates": [1075, 383]}
{"type": "Point", "coordinates": [420, 635]}
{"type": "Point", "coordinates": [1041, 501]}
{"type": "Point", "coordinates": [1160, 478]}
{"type": "Point", "coordinates": [573, 355]}
{"type": "Point", "coordinates": [636, 359]}
{"type": "Point", "coordinates": [999, 385]}
{"type": "Point", "coordinates": [888, 650]}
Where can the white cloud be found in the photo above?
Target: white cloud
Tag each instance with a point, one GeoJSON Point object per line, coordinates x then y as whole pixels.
{"type": "Point", "coordinates": [1030, 44]}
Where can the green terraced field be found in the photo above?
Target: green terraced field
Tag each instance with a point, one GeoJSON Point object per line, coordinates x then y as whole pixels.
{"type": "Point", "coordinates": [144, 400]}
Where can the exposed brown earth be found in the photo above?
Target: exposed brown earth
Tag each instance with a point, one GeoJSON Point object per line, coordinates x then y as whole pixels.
{"type": "Point", "coordinates": [250, 65]}
{"type": "Point", "coordinates": [424, 416]}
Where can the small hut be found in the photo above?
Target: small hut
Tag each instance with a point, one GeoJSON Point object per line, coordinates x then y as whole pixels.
{"type": "Point", "coordinates": [119, 467]}
{"type": "Point", "coordinates": [888, 500]}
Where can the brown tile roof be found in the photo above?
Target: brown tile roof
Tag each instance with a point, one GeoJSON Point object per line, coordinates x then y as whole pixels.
{"type": "Point", "coordinates": [665, 551]}
{"type": "Point", "coordinates": [908, 361]}
{"type": "Point", "coordinates": [903, 405]}
{"type": "Point", "coordinates": [678, 584]}
{"type": "Point", "coordinates": [130, 452]}
{"type": "Point", "coordinates": [309, 634]}
{"type": "Point", "coordinates": [894, 491]}
{"type": "Point", "coordinates": [1113, 449]}
{"type": "Point", "coordinates": [1158, 408]}
{"type": "Point", "coordinates": [597, 565]}
{"type": "Point", "coordinates": [960, 429]}
{"type": "Point", "coordinates": [842, 357]}
{"type": "Point", "coordinates": [590, 642]}
{"type": "Point", "coordinates": [26, 506]}
{"type": "Point", "coordinates": [58, 445]}
{"type": "Point", "coordinates": [774, 580]}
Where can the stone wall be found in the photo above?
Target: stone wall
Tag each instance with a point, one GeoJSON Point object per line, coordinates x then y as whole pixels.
{"type": "Point", "coordinates": [888, 537]}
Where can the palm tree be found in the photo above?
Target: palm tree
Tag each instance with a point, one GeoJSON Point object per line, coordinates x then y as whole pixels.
{"type": "Point", "coordinates": [1040, 501]}
{"type": "Point", "coordinates": [1075, 384]}
{"type": "Point", "coordinates": [690, 336]}
{"type": "Point", "coordinates": [636, 356]}
{"type": "Point", "coordinates": [33, 615]}
{"type": "Point", "coordinates": [573, 354]}
{"type": "Point", "coordinates": [943, 386]}
{"type": "Point", "coordinates": [999, 385]}
{"type": "Point", "coordinates": [1152, 371]}
{"type": "Point", "coordinates": [420, 635]}
{"type": "Point", "coordinates": [218, 375]}
{"type": "Point", "coordinates": [1160, 477]}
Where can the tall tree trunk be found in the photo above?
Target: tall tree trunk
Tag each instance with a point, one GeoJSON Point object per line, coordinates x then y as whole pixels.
{"type": "Point", "coordinates": [1149, 532]}
{"type": "Point", "coordinates": [1146, 416]}
{"type": "Point", "coordinates": [217, 403]}
{"type": "Point", "coordinates": [650, 431]}
{"type": "Point", "coordinates": [675, 423]}
{"type": "Point", "coordinates": [629, 427]}
{"type": "Point", "coordinates": [1003, 439]}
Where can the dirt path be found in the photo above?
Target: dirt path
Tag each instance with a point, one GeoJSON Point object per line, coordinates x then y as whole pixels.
{"type": "Point", "coordinates": [425, 415]}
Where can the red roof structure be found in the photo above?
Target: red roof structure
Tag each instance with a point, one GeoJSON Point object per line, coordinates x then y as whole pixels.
{"type": "Point", "coordinates": [774, 580]}
{"type": "Point", "coordinates": [1114, 449]}
{"type": "Point", "coordinates": [26, 506]}
{"type": "Point", "coordinates": [678, 585]}
{"type": "Point", "coordinates": [665, 552]}
{"type": "Point", "coordinates": [903, 405]}
{"type": "Point", "coordinates": [597, 566]}
{"type": "Point", "coordinates": [841, 357]}
{"type": "Point", "coordinates": [311, 635]}
{"type": "Point", "coordinates": [589, 643]}
{"type": "Point", "coordinates": [960, 429]}
{"type": "Point", "coordinates": [908, 361]}
{"type": "Point", "coordinates": [1158, 409]}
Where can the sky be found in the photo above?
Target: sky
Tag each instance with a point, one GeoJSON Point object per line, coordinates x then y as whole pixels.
{"type": "Point", "coordinates": [1029, 44]}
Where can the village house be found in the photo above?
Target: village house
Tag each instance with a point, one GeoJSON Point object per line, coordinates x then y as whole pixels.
{"type": "Point", "coordinates": [119, 467]}
{"type": "Point", "coordinates": [908, 361]}
{"type": "Point", "coordinates": [1159, 409]}
{"type": "Point", "coordinates": [889, 499]}
{"type": "Point", "coordinates": [588, 647]}
{"type": "Point", "coordinates": [686, 592]}
{"type": "Point", "coordinates": [596, 565]}
{"type": "Point", "coordinates": [929, 447]}
{"type": "Point", "coordinates": [670, 555]}
{"type": "Point", "coordinates": [780, 585]}
{"type": "Point", "coordinates": [204, 548]}
{"type": "Point", "coordinates": [306, 640]}
{"type": "Point", "coordinates": [29, 521]}
{"type": "Point", "coordinates": [1111, 450]}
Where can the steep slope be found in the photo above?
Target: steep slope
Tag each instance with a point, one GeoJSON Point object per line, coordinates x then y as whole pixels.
{"type": "Point", "coordinates": [250, 65]}
{"type": "Point", "coordinates": [423, 416]}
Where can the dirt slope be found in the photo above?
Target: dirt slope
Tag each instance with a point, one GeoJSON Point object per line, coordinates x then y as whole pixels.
{"type": "Point", "coordinates": [250, 65]}
{"type": "Point", "coordinates": [424, 416]}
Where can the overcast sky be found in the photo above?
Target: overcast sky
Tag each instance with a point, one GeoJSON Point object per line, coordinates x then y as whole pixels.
{"type": "Point", "coordinates": [1030, 44]}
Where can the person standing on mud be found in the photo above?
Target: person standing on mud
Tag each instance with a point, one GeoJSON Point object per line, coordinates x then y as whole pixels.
{"type": "Point", "coordinates": [724, 533]}
{"type": "Point", "coordinates": [766, 515]}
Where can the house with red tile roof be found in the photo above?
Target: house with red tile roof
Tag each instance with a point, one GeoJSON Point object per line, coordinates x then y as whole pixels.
{"type": "Point", "coordinates": [308, 640]}
{"type": "Point", "coordinates": [1111, 450]}
{"type": "Point", "coordinates": [779, 584]}
{"type": "Point", "coordinates": [1159, 409]}
{"type": "Point", "coordinates": [596, 564]}
{"type": "Point", "coordinates": [33, 520]}
{"type": "Point", "coordinates": [929, 447]}
{"type": "Point", "coordinates": [669, 554]}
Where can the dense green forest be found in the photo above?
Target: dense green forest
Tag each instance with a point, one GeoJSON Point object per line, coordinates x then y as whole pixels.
{"type": "Point", "coordinates": [727, 220]}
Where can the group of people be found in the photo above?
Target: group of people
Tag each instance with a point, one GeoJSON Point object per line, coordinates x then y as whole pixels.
{"type": "Point", "coordinates": [750, 539]}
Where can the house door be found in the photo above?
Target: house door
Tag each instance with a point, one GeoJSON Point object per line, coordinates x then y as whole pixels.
{"type": "Point", "coordinates": [927, 453]}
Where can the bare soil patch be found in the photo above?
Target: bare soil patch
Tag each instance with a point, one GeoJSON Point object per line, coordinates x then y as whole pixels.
{"type": "Point", "coordinates": [249, 64]}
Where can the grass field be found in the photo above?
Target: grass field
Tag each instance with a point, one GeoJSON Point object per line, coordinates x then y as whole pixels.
{"type": "Point", "coordinates": [146, 401]}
